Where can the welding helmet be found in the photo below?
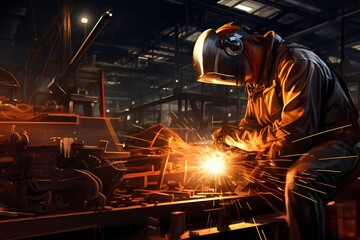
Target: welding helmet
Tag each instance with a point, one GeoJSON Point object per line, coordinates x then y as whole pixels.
{"type": "Point", "coordinates": [219, 60]}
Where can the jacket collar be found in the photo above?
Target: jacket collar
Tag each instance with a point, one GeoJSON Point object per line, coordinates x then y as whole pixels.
{"type": "Point", "coordinates": [269, 60]}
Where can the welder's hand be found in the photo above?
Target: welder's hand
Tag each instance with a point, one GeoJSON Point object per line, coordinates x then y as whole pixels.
{"type": "Point", "coordinates": [218, 143]}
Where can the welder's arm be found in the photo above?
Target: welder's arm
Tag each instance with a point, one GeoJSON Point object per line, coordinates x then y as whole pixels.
{"type": "Point", "coordinates": [300, 114]}
{"type": "Point", "coordinates": [301, 82]}
{"type": "Point", "coordinates": [248, 136]}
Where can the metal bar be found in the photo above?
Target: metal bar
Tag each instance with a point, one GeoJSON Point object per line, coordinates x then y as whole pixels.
{"type": "Point", "coordinates": [190, 96]}
{"type": "Point", "coordinates": [99, 26]}
{"type": "Point", "coordinates": [320, 25]}
{"type": "Point", "coordinates": [65, 34]}
{"type": "Point", "coordinates": [121, 217]}
{"type": "Point", "coordinates": [45, 225]}
{"type": "Point", "coordinates": [102, 94]}
{"type": "Point", "coordinates": [55, 85]}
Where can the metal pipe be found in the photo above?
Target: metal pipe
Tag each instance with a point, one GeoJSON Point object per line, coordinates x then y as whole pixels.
{"type": "Point", "coordinates": [87, 43]}
{"type": "Point", "coordinates": [55, 85]}
{"type": "Point", "coordinates": [65, 34]}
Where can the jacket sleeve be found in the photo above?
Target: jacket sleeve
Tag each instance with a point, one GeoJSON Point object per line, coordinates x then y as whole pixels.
{"type": "Point", "coordinates": [300, 83]}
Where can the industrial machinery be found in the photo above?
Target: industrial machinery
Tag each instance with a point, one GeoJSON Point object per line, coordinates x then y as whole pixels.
{"type": "Point", "coordinates": [71, 172]}
{"type": "Point", "coordinates": [53, 170]}
{"type": "Point", "coordinates": [46, 163]}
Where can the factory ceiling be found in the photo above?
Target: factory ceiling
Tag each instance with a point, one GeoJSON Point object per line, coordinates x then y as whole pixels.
{"type": "Point", "coordinates": [148, 43]}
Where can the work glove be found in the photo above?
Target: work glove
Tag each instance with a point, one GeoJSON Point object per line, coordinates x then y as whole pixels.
{"type": "Point", "coordinates": [218, 143]}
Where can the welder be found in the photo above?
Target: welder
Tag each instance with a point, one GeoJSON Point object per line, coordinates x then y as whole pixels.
{"type": "Point", "coordinates": [298, 108]}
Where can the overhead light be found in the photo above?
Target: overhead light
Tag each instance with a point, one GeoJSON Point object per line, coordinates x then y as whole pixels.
{"type": "Point", "coordinates": [334, 59]}
{"type": "Point", "coordinates": [184, 30]}
{"type": "Point", "coordinates": [267, 12]}
{"type": "Point", "coordinates": [228, 3]}
{"type": "Point", "coordinates": [356, 46]}
{"type": "Point", "coordinates": [168, 31]}
{"type": "Point", "coordinates": [166, 53]}
{"type": "Point", "coordinates": [166, 46]}
{"type": "Point", "coordinates": [84, 20]}
{"type": "Point", "coordinates": [244, 8]}
{"type": "Point", "coordinates": [156, 58]}
{"type": "Point", "coordinates": [249, 6]}
{"type": "Point", "coordinates": [113, 82]}
{"type": "Point", "coordinates": [193, 37]}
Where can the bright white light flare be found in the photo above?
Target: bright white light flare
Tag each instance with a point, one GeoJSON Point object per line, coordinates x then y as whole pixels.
{"type": "Point", "coordinates": [214, 165]}
{"type": "Point", "coordinates": [84, 20]}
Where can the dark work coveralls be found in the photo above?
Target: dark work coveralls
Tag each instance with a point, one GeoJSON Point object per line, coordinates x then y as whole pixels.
{"type": "Point", "coordinates": [301, 96]}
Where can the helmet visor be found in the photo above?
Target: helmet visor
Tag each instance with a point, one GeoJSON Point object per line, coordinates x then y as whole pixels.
{"type": "Point", "coordinates": [213, 65]}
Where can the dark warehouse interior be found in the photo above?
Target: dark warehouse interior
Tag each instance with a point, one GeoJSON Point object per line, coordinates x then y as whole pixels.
{"type": "Point", "coordinates": [102, 121]}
